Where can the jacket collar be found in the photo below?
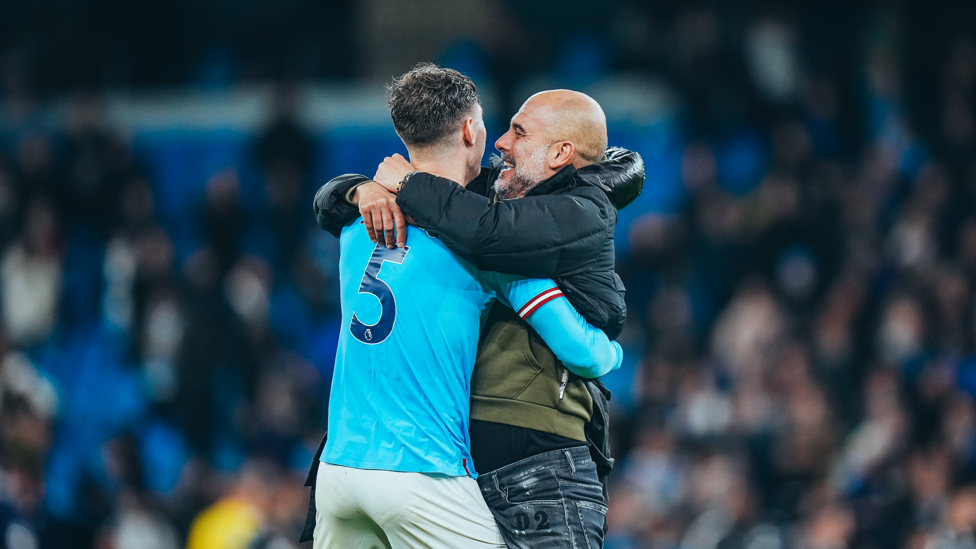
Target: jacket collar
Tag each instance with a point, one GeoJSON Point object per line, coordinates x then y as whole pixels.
{"type": "Point", "coordinates": [566, 178]}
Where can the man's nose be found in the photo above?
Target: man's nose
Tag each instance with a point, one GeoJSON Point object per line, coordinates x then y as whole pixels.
{"type": "Point", "coordinates": [503, 142]}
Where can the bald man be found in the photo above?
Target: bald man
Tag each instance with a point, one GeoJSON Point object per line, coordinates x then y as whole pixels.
{"type": "Point", "coordinates": [552, 129]}
{"type": "Point", "coordinates": [548, 205]}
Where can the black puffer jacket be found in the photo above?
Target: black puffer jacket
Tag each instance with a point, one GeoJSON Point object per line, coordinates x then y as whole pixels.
{"type": "Point", "coordinates": [562, 229]}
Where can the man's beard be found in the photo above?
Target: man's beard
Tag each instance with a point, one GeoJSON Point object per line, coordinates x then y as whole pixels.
{"type": "Point", "coordinates": [527, 174]}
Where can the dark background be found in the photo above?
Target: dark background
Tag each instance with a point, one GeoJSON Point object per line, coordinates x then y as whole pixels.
{"type": "Point", "coordinates": [800, 362]}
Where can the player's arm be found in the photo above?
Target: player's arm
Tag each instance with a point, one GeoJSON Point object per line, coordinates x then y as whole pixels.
{"type": "Point", "coordinates": [583, 349]}
{"type": "Point", "coordinates": [347, 197]}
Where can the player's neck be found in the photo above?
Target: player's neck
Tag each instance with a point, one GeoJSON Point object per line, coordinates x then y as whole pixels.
{"type": "Point", "coordinates": [451, 167]}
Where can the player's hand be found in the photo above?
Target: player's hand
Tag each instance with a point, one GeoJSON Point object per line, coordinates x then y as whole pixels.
{"type": "Point", "coordinates": [382, 217]}
{"type": "Point", "coordinates": [392, 171]}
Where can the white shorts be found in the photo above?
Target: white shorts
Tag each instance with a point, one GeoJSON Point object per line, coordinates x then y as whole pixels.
{"type": "Point", "coordinates": [367, 509]}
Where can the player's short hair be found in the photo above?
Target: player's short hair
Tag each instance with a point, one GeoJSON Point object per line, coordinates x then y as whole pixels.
{"type": "Point", "coordinates": [429, 103]}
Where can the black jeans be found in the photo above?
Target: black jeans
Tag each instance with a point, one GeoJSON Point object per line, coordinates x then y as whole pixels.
{"type": "Point", "coordinates": [548, 501]}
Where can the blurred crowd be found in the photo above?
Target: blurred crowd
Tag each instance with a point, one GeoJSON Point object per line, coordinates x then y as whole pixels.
{"type": "Point", "coordinates": [149, 398]}
{"type": "Point", "coordinates": [801, 346]}
{"type": "Point", "coordinates": [806, 348]}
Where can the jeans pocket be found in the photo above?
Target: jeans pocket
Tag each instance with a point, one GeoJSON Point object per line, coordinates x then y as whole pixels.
{"type": "Point", "coordinates": [534, 514]}
{"type": "Point", "coordinates": [534, 525]}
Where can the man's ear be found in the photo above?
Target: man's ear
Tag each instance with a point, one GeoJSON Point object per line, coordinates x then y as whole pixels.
{"type": "Point", "coordinates": [468, 134]}
{"type": "Point", "coordinates": [565, 153]}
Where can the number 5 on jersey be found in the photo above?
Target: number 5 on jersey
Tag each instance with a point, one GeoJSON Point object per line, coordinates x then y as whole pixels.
{"type": "Point", "coordinates": [371, 284]}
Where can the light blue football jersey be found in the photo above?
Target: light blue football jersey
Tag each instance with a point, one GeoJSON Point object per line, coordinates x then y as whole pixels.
{"type": "Point", "coordinates": [411, 318]}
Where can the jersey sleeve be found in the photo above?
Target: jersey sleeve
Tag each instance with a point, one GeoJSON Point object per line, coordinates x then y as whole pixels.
{"type": "Point", "coordinates": [584, 350]}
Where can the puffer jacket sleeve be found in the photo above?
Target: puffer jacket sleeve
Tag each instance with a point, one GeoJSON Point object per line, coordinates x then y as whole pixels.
{"type": "Point", "coordinates": [540, 236]}
{"type": "Point", "coordinates": [332, 211]}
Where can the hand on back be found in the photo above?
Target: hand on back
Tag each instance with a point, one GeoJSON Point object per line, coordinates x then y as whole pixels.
{"type": "Point", "coordinates": [382, 217]}
{"type": "Point", "coordinates": [377, 203]}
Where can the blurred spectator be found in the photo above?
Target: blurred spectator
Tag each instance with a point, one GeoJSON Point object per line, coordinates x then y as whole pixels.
{"type": "Point", "coordinates": [97, 165]}
{"type": "Point", "coordinates": [224, 222]}
{"type": "Point", "coordinates": [241, 518]}
{"type": "Point", "coordinates": [284, 151]}
{"type": "Point", "coordinates": [31, 275]}
{"type": "Point", "coordinates": [28, 405]}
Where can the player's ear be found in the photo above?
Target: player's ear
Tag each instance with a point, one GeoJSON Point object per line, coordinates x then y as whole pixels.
{"type": "Point", "coordinates": [468, 133]}
{"type": "Point", "coordinates": [561, 154]}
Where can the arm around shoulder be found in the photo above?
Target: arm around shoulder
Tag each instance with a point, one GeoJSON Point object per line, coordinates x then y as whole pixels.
{"type": "Point", "coordinates": [584, 350]}
{"type": "Point", "coordinates": [537, 236]}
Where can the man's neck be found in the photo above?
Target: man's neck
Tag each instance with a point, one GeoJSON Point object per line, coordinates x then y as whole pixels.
{"type": "Point", "coordinates": [449, 167]}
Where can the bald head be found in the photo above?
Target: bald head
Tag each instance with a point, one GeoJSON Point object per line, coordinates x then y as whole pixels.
{"type": "Point", "coordinates": [553, 129]}
{"type": "Point", "coordinates": [571, 116]}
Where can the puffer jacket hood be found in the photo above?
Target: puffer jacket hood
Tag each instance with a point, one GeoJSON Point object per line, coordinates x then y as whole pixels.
{"type": "Point", "coordinates": [620, 174]}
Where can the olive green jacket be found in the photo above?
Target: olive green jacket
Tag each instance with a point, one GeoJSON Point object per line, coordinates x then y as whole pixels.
{"type": "Point", "coordinates": [517, 380]}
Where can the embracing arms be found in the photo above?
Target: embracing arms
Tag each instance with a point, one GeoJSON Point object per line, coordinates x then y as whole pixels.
{"type": "Point", "coordinates": [584, 350]}
{"type": "Point", "coordinates": [563, 233]}
{"type": "Point", "coordinates": [542, 235]}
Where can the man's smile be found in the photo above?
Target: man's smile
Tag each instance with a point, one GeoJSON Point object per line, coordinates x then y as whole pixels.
{"type": "Point", "coordinates": [509, 162]}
